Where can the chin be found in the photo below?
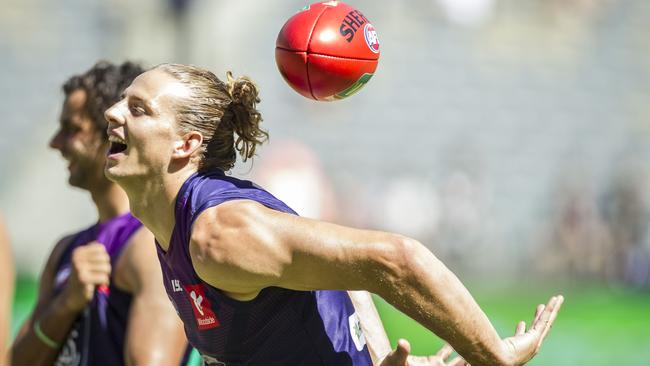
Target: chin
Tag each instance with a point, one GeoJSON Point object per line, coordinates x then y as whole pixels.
{"type": "Point", "coordinates": [112, 174]}
{"type": "Point", "coordinates": [73, 182]}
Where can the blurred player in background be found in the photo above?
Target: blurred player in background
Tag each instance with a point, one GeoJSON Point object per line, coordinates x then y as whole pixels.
{"type": "Point", "coordinates": [101, 300]}
{"type": "Point", "coordinates": [6, 292]}
{"type": "Point", "coordinates": [253, 282]}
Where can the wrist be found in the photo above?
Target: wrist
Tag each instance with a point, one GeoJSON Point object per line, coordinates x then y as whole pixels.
{"type": "Point", "coordinates": [68, 303]}
{"type": "Point", "coordinates": [44, 338]}
{"type": "Point", "coordinates": [506, 354]}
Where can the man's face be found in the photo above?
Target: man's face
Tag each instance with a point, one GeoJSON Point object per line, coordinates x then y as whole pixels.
{"type": "Point", "coordinates": [80, 143]}
{"type": "Point", "coordinates": [141, 127]}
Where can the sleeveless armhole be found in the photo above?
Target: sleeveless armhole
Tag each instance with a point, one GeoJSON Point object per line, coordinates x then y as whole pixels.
{"type": "Point", "coordinates": [67, 242]}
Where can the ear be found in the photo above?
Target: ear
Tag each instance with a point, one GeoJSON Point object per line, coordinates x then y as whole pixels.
{"type": "Point", "coordinates": [187, 145]}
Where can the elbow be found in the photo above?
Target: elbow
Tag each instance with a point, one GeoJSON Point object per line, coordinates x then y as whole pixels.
{"type": "Point", "coordinates": [398, 260]}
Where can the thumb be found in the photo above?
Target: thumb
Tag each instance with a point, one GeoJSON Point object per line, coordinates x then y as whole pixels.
{"type": "Point", "coordinates": [399, 356]}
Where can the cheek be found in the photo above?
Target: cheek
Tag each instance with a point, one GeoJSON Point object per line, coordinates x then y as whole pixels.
{"type": "Point", "coordinates": [157, 147]}
{"type": "Point", "coordinates": [152, 141]}
{"type": "Point", "coordinates": [75, 144]}
{"type": "Point", "coordinates": [89, 144]}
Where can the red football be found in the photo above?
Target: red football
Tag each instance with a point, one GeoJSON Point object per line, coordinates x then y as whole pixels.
{"type": "Point", "coordinates": [327, 51]}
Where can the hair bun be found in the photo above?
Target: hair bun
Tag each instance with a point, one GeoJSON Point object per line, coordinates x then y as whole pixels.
{"type": "Point", "coordinates": [246, 119]}
{"type": "Point", "coordinates": [242, 90]}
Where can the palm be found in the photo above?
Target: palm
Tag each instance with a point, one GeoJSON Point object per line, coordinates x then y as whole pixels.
{"type": "Point", "coordinates": [521, 347]}
{"type": "Point", "coordinates": [525, 344]}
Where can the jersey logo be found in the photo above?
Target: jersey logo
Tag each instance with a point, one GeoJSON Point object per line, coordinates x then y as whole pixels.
{"type": "Point", "coordinates": [176, 286]}
{"type": "Point", "coordinates": [356, 332]}
{"type": "Point", "coordinates": [197, 302]}
{"type": "Point", "coordinates": [69, 354]}
{"type": "Point", "coordinates": [210, 361]}
{"type": "Point", "coordinates": [205, 317]}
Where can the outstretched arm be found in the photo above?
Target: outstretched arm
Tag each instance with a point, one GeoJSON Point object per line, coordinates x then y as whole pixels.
{"type": "Point", "coordinates": [155, 332]}
{"type": "Point", "coordinates": [242, 247]}
{"type": "Point", "coordinates": [379, 346]}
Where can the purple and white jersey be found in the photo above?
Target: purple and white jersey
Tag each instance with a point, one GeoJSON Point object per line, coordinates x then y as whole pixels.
{"type": "Point", "coordinates": [279, 326]}
{"type": "Point", "coordinates": [97, 336]}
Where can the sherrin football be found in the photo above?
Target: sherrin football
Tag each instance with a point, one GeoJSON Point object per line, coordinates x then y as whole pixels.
{"type": "Point", "coordinates": [327, 51]}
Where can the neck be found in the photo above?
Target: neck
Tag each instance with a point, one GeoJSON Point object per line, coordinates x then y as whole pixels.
{"type": "Point", "coordinates": [111, 201]}
{"type": "Point", "coordinates": [153, 202]}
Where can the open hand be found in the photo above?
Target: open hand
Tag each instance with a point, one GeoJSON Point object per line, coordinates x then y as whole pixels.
{"type": "Point", "coordinates": [524, 345]}
{"type": "Point", "coordinates": [401, 357]}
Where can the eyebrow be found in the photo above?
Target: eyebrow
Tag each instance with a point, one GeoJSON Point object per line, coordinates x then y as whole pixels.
{"type": "Point", "coordinates": [138, 98]}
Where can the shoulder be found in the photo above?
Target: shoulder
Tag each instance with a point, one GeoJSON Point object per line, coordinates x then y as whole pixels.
{"type": "Point", "coordinates": [52, 264]}
{"type": "Point", "coordinates": [137, 262]}
{"type": "Point", "coordinates": [234, 219]}
{"type": "Point", "coordinates": [59, 248]}
{"type": "Point", "coordinates": [140, 237]}
{"type": "Point", "coordinates": [139, 248]}
{"type": "Point", "coordinates": [233, 247]}
{"type": "Point", "coordinates": [233, 214]}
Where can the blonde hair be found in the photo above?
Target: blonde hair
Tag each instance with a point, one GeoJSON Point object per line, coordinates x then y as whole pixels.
{"type": "Point", "coordinates": [219, 111]}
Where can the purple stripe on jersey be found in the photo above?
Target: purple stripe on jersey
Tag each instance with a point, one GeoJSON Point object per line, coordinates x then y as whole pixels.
{"type": "Point", "coordinates": [278, 327]}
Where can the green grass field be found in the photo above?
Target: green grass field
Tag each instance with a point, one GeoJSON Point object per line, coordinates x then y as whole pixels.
{"type": "Point", "coordinates": [596, 327]}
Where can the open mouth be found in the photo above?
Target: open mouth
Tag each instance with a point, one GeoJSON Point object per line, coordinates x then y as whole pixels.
{"type": "Point", "coordinates": [118, 145]}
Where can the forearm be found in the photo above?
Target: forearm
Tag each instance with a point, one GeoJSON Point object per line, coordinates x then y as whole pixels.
{"type": "Point", "coordinates": [373, 329]}
{"type": "Point", "coordinates": [7, 286]}
{"type": "Point", "coordinates": [423, 288]}
{"type": "Point", "coordinates": [5, 316]}
{"type": "Point", "coordinates": [55, 323]}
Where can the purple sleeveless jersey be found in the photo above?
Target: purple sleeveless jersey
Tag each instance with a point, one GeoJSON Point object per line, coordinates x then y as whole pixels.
{"type": "Point", "coordinates": [278, 327]}
{"type": "Point", "coordinates": [97, 336]}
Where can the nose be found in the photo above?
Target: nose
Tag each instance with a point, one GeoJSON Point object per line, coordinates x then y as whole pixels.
{"type": "Point", "coordinates": [115, 115]}
{"type": "Point", "coordinates": [56, 142]}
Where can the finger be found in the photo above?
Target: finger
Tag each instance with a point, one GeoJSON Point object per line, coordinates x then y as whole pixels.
{"type": "Point", "coordinates": [403, 349]}
{"type": "Point", "coordinates": [538, 312]}
{"type": "Point", "coordinates": [445, 351]}
{"type": "Point", "coordinates": [399, 356]}
{"type": "Point", "coordinates": [543, 317]}
{"type": "Point", "coordinates": [97, 256]}
{"type": "Point", "coordinates": [95, 279]}
{"type": "Point", "coordinates": [458, 361]}
{"type": "Point", "coordinates": [551, 318]}
{"type": "Point", "coordinates": [546, 319]}
{"type": "Point", "coordinates": [101, 269]}
{"type": "Point", "coordinates": [91, 257]}
{"type": "Point", "coordinates": [93, 247]}
{"type": "Point", "coordinates": [521, 328]}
